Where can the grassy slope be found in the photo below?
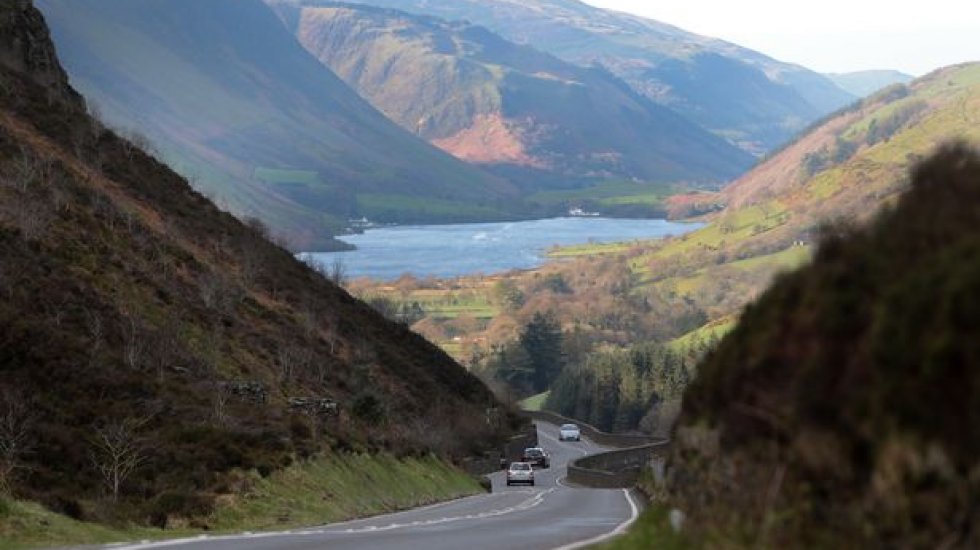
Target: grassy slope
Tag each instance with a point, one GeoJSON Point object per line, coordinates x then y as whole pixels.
{"type": "Point", "coordinates": [651, 530]}
{"type": "Point", "coordinates": [319, 491]}
{"type": "Point", "coordinates": [222, 104]}
{"type": "Point", "coordinates": [535, 402]}
{"type": "Point", "coordinates": [779, 203]}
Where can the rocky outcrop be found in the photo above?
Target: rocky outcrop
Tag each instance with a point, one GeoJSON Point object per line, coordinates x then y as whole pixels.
{"type": "Point", "coordinates": [26, 47]}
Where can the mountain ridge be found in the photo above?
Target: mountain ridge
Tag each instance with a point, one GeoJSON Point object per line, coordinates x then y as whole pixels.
{"type": "Point", "coordinates": [749, 98]}
{"type": "Point", "coordinates": [487, 100]}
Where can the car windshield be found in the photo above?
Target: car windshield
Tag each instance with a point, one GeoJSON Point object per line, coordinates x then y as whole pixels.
{"type": "Point", "coordinates": [569, 427]}
{"type": "Point", "coordinates": [533, 452]}
{"type": "Point", "coordinates": [520, 466]}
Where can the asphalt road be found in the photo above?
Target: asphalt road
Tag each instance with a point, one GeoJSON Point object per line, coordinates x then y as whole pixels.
{"type": "Point", "coordinates": [549, 515]}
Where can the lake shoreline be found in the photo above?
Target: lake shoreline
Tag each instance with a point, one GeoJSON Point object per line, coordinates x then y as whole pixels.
{"type": "Point", "coordinates": [453, 250]}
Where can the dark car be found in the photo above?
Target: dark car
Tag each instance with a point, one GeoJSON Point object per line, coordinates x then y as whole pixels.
{"type": "Point", "coordinates": [537, 456]}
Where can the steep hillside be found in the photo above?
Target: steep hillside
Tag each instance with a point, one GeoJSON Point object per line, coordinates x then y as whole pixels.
{"type": "Point", "coordinates": [505, 106]}
{"type": "Point", "coordinates": [746, 97]}
{"type": "Point", "coordinates": [865, 83]}
{"type": "Point", "coordinates": [235, 104]}
{"type": "Point", "coordinates": [153, 348]}
{"type": "Point", "coordinates": [842, 411]}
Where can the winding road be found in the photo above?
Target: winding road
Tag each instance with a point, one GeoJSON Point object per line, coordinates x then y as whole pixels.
{"type": "Point", "coordinates": [549, 515]}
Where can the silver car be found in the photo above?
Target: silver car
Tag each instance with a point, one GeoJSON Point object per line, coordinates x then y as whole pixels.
{"type": "Point", "coordinates": [569, 432]}
{"type": "Point", "coordinates": [520, 472]}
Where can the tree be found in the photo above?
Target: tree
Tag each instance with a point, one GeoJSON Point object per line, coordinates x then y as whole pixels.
{"type": "Point", "coordinates": [513, 365]}
{"type": "Point", "coordinates": [338, 272]}
{"type": "Point", "coordinates": [508, 295]}
{"type": "Point", "coordinates": [542, 340]}
{"type": "Point", "coordinates": [118, 452]}
{"type": "Point", "coordinates": [16, 421]}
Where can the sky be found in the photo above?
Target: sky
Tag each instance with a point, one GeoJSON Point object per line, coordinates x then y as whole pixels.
{"type": "Point", "coordinates": [831, 35]}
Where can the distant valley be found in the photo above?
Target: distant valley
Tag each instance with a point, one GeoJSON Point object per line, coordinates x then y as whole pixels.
{"type": "Point", "coordinates": [865, 83]}
{"type": "Point", "coordinates": [269, 133]}
{"type": "Point", "coordinates": [685, 292]}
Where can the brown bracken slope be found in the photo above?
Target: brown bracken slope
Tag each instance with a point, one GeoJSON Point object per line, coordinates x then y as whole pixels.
{"type": "Point", "coordinates": [132, 306]}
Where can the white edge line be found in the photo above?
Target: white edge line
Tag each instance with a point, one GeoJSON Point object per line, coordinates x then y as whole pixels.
{"type": "Point", "coordinates": [619, 530]}
{"type": "Point", "coordinates": [249, 535]}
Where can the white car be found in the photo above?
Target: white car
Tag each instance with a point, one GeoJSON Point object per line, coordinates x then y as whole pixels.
{"type": "Point", "coordinates": [569, 432]}
{"type": "Point", "coordinates": [520, 472]}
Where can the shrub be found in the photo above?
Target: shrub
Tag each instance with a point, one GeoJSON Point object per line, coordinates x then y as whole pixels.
{"type": "Point", "coordinates": [178, 503]}
{"type": "Point", "coordinates": [368, 407]}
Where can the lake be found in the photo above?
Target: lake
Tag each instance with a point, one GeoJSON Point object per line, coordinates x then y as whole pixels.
{"type": "Point", "coordinates": [465, 249]}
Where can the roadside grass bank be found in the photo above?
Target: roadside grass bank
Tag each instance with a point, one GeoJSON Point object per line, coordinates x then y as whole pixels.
{"type": "Point", "coordinates": [30, 525]}
{"type": "Point", "coordinates": [342, 487]}
{"type": "Point", "coordinates": [325, 490]}
{"type": "Point", "coordinates": [651, 530]}
{"type": "Point", "coordinates": [535, 402]}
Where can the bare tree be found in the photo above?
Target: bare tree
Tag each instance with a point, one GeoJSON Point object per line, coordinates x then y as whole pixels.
{"type": "Point", "coordinates": [164, 347]}
{"type": "Point", "coordinates": [219, 404]}
{"type": "Point", "coordinates": [338, 272]}
{"type": "Point", "coordinates": [16, 421]}
{"type": "Point", "coordinates": [135, 344]}
{"type": "Point", "coordinates": [118, 451]}
{"type": "Point", "coordinates": [97, 332]}
{"type": "Point", "coordinates": [293, 360]}
{"type": "Point", "coordinates": [23, 171]}
{"type": "Point", "coordinates": [32, 217]}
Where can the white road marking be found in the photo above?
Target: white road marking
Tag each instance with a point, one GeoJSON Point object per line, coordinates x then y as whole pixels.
{"type": "Point", "coordinates": [536, 499]}
{"type": "Point", "coordinates": [619, 530]}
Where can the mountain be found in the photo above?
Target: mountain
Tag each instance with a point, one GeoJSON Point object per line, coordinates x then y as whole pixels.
{"type": "Point", "coordinates": [145, 332]}
{"type": "Point", "coordinates": [842, 411]}
{"type": "Point", "coordinates": [752, 100]}
{"type": "Point", "coordinates": [230, 99]}
{"type": "Point", "coordinates": [507, 107]}
{"type": "Point", "coordinates": [865, 83]}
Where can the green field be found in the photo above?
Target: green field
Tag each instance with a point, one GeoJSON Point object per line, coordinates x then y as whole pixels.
{"type": "Point", "coordinates": [713, 330]}
{"type": "Point", "coordinates": [610, 194]}
{"type": "Point", "coordinates": [408, 208]}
